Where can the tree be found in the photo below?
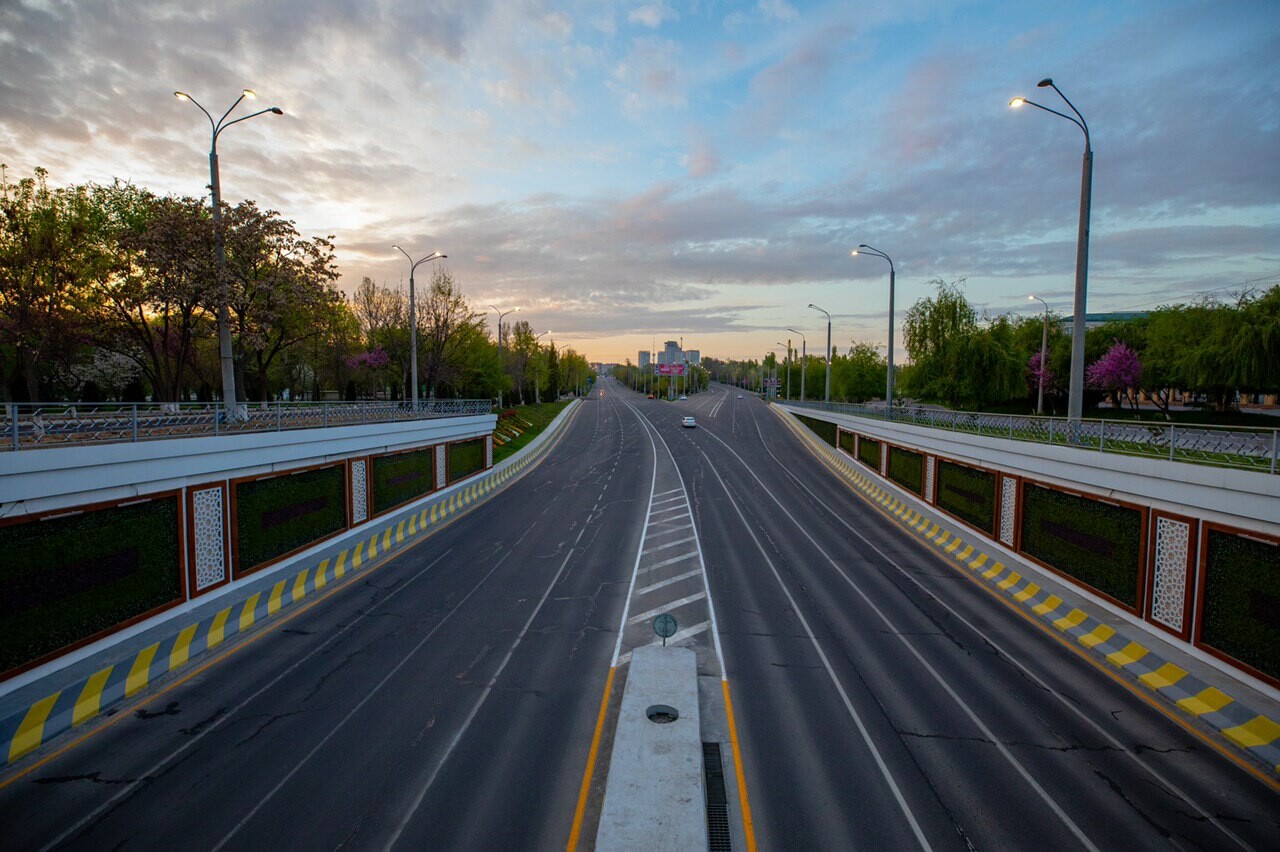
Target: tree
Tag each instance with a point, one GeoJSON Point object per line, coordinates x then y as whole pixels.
{"type": "Point", "coordinates": [446, 324]}
{"type": "Point", "coordinates": [1117, 372]}
{"type": "Point", "coordinates": [857, 377]}
{"type": "Point", "coordinates": [935, 333]}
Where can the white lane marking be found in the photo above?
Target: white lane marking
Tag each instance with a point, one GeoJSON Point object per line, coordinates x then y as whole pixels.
{"type": "Point", "coordinates": [666, 607]}
{"type": "Point", "coordinates": [665, 527]}
{"type": "Point", "coordinates": [635, 569]}
{"type": "Point", "coordinates": [897, 631]}
{"type": "Point", "coordinates": [670, 545]}
{"type": "Point", "coordinates": [672, 561]}
{"type": "Point", "coordinates": [670, 580]}
{"type": "Point", "coordinates": [1062, 699]}
{"type": "Point", "coordinates": [160, 764]}
{"type": "Point", "coordinates": [668, 500]}
{"type": "Point", "coordinates": [666, 511]}
{"type": "Point", "coordinates": [665, 493]}
{"type": "Point", "coordinates": [831, 674]}
{"type": "Point", "coordinates": [676, 638]}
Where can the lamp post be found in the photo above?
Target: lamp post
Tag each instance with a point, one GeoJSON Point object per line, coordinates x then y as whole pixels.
{"type": "Point", "coordinates": [888, 382]}
{"type": "Point", "coordinates": [537, 385]}
{"type": "Point", "coordinates": [804, 357]}
{"type": "Point", "coordinates": [1075, 393]}
{"type": "Point", "coordinates": [828, 355]}
{"type": "Point", "coordinates": [413, 321]}
{"type": "Point", "coordinates": [215, 187]}
{"type": "Point", "coordinates": [501, 314]}
{"type": "Point", "coordinates": [1044, 344]}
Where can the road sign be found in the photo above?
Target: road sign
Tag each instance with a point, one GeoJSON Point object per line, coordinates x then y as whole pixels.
{"type": "Point", "coordinates": [665, 626]}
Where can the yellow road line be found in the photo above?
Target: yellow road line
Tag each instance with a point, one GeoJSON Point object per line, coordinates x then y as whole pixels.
{"type": "Point", "coordinates": [748, 827]}
{"type": "Point", "coordinates": [140, 674]}
{"type": "Point", "coordinates": [585, 790]}
{"type": "Point", "coordinates": [182, 646]}
{"type": "Point", "coordinates": [31, 731]}
{"type": "Point", "coordinates": [90, 700]}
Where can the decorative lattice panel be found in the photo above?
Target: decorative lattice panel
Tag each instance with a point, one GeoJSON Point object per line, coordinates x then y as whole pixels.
{"type": "Point", "coordinates": [1008, 508]}
{"type": "Point", "coordinates": [488, 452]}
{"type": "Point", "coordinates": [442, 466]}
{"type": "Point", "coordinates": [359, 491]}
{"type": "Point", "coordinates": [210, 537]}
{"type": "Point", "coordinates": [929, 463]}
{"type": "Point", "coordinates": [1169, 589]}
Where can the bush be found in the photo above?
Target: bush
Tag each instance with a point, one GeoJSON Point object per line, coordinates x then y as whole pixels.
{"type": "Point", "coordinates": [869, 452]}
{"type": "Point", "coordinates": [1242, 600]}
{"type": "Point", "coordinates": [906, 467]}
{"type": "Point", "coordinates": [401, 477]}
{"type": "Point", "coordinates": [1097, 543]}
{"type": "Point", "coordinates": [465, 458]}
{"type": "Point", "coordinates": [284, 513]}
{"type": "Point", "coordinates": [968, 494]}
{"type": "Point", "coordinates": [822, 428]}
{"type": "Point", "coordinates": [68, 578]}
{"type": "Point", "coordinates": [538, 414]}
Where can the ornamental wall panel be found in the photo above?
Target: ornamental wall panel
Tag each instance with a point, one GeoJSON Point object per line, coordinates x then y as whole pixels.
{"type": "Point", "coordinates": [209, 538]}
{"type": "Point", "coordinates": [488, 451]}
{"type": "Point", "coordinates": [1170, 564]}
{"type": "Point", "coordinates": [1008, 509]}
{"type": "Point", "coordinates": [929, 464]}
{"type": "Point", "coordinates": [359, 491]}
{"type": "Point", "coordinates": [442, 466]}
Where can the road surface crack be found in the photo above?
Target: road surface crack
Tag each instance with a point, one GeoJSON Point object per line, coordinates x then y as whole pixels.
{"type": "Point", "coordinates": [271, 720]}
{"type": "Point", "coordinates": [95, 777]}
{"type": "Point", "coordinates": [170, 709]}
{"type": "Point", "coordinates": [203, 723]}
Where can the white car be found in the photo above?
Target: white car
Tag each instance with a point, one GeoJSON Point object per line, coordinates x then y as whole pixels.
{"type": "Point", "coordinates": [739, 396]}
{"type": "Point", "coordinates": [688, 422]}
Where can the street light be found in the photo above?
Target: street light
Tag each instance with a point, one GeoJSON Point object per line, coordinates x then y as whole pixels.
{"type": "Point", "coordinates": [413, 320]}
{"type": "Point", "coordinates": [788, 345]}
{"type": "Point", "coordinates": [1075, 394]}
{"type": "Point", "coordinates": [804, 356]}
{"type": "Point", "coordinates": [1044, 343]}
{"type": "Point", "coordinates": [888, 382]}
{"type": "Point", "coordinates": [828, 355]}
{"type": "Point", "coordinates": [215, 187]}
{"type": "Point", "coordinates": [501, 314]}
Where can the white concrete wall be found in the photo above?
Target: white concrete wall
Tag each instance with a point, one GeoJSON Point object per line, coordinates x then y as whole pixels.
{"type": "Point", "coordinates": [1236, 497]}
{"type": "Point", "coordinates": [42, 480]}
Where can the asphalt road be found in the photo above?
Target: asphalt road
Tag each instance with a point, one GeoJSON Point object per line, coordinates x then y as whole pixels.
{"type": "Point", "coordinates": [448, 699]}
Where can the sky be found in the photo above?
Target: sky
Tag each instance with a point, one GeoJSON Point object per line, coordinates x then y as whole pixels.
{"type": "Point", "coordinates": [625, 172]}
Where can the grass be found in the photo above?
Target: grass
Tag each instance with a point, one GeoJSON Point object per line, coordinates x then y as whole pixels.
{"type": "Point", "coordinates": [539, 415]}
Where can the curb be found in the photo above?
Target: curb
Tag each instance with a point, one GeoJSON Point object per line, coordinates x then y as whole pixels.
{"type": "Point", "coordinates": [25, 730]}
{"type": "Point", "coordinates": [1257, 736]}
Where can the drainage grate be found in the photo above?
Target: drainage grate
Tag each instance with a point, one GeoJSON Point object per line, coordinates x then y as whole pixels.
{"type": "Point", "coordinates": [718, 837]}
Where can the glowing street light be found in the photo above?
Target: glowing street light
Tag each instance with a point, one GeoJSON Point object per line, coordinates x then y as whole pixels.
{"type": "Point", "coordinates": [827, 357]}
{"type": "Point", "coordinates": [804, 355]}
{"type": "Point", "coordinates": [501, 314]}
{"type": "Point", "coordinates": [413, 321]}
{"type": "Point", "coordinates": [215, 187]}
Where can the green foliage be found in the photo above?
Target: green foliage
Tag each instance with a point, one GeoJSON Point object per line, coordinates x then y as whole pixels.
{"type": "Point", "coordinates": [465, 458]}
{"type": "Point", "coordinates": [540, 416]}
{"type": "Point", "coordinates": [847, 442]}
{"type": "Point", "coordinates": [401, 477]}
{"type": "Point", "coordinates": [968, 494]}
{"type": "Point", "coordinates": [279, 515]}
{"type": "Point", "coordinates": [907, 469]}
{"type": "Point", "coordinates": [1097, 543]}
{"type": "Point", "coordinates": [869, 452]}
{"type": "Point", "coordinates": [824, 429]}
{"type": "Point", "coordinates": [68, 578]}
{"type": "Point", "coordinates": [1242, 600]}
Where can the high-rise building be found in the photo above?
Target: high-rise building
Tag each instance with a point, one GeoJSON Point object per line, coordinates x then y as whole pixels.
{"type": "Point", "coordinates": [693, 356]}
{"type": "Point", "coordinates": [670, 353]}
{"type": "Point", "coordinates": [644, 358]}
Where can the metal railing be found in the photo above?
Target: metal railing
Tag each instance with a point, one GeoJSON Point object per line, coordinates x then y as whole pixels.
{"type": "Point", "coordinates": [29, 426]}
{"type": "Point", "coordinates": [1220, 446]}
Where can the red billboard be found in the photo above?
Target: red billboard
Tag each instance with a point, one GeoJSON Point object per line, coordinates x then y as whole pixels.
{"type": "Point", "coordinates": [671, 369]}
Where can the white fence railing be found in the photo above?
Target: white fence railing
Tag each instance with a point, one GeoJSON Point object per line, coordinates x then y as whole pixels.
{"type": "Point", "coordinates": [40, 425]}
{"type": "Point", "coordinates": [1220, 446]}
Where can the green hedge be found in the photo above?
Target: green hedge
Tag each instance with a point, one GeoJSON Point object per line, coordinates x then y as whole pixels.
{"type": "Point", "coordinates": [968, 494]}
{"type": "Point", "coordinates": [907, 468]}
{"type": "Point", "coordinates": [465, 458]}
{"type": "Point", "coordinates": [401, 477]}
{"type": "Point", "coordinates": [278, 515]}
{"type": "Point", "coordinates": [847, 442]}
{"type": "Point", "coordinates": [68, 578]}
{"type": "Point", "coordinates": [869, 452]}
{"type": "Point", "coordinates": [824, 429]}
{"type": "Point", "coordinates": [1098, 543]}
{"type": "Point", "coordinates": [1242, 600]}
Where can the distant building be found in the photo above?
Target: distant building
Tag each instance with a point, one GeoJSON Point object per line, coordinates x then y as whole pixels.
{"type": "Point", "coordinates": [693, 356]}
{"type": "Point", "coordinates": [645, 355]}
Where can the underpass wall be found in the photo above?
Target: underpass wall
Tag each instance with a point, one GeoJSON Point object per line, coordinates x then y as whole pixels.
{"type": "Point", "coordinates": [96, 539]}
{"type": "Point", "coordinates": [1191, 549]}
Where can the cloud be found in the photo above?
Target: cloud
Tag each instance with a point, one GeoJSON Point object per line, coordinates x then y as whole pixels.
{"type": "Point", "coordinates": [652, 15]}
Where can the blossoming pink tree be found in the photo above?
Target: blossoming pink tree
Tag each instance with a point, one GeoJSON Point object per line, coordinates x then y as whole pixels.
{"type": "Point", "coordinates": [1117, 372]}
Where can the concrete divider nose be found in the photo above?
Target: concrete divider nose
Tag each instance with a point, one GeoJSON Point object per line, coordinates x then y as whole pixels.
{"type": "Point", "coordinates": [654, 797]}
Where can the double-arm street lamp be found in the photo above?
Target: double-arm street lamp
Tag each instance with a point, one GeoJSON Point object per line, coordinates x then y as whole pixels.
{"type": "Point", "coordinates": [827, 357]}
{"type": "Point", "coordinates": [501, 314]}
{"type": "Point", "coordinates": [888, 382]}
{"type": "Point", "coordinates": [224, 322]}
{"type": "Point", "coordinates": [1044, 344]}
{"type": "Point", "coordinates": [788, 367]}
{"type": "Point", "coordinates": [1075, 394]}
{"type": "Point", "coordinates": [804, 355]}
{"type": "Point", "coordinates": [413, 320]}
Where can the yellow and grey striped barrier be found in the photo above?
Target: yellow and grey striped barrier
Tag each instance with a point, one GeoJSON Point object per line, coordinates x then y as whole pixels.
{"type": "Point", "coordinates": [1254, 733]}
{"type": "Point", "coordinates": [24, 730]}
